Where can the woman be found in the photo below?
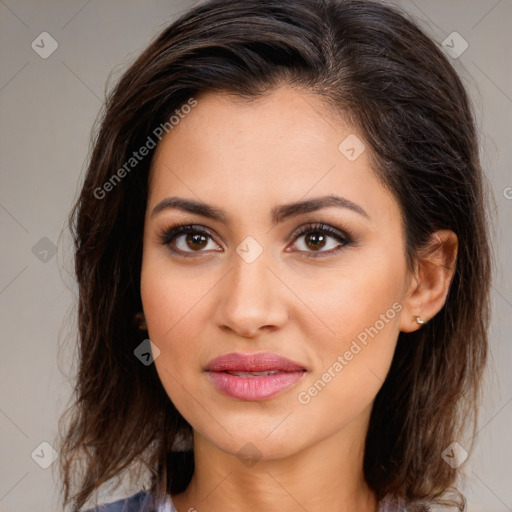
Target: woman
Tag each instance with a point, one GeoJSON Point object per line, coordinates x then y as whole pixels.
{"type": "Point", "coordinates": [283, 265]}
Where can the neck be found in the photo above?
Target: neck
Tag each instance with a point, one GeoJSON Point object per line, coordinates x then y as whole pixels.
{"type": "Point", "coordinates": [326, 476]}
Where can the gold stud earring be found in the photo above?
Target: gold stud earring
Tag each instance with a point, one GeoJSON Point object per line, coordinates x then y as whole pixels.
{"type": "Point", "coordinates": [418, 319]}
{"type": "Point", "coordinates": [140, 321]}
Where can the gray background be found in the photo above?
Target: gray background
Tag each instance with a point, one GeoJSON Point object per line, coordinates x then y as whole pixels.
{"type": "Point", "coordinates": [48, 107]}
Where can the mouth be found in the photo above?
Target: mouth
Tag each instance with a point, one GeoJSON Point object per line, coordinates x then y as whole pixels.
{"type": "Point", "coordinates": [253, 377]}
{"type": "Point", "coordinates": [253, 374]}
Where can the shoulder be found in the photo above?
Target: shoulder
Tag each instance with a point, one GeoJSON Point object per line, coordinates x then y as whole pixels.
{"type": "Point", "coordinates": [133, 503]}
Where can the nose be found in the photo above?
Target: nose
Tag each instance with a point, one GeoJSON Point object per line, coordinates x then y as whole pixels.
{"type": "Point", "coordinates": [252, 300]}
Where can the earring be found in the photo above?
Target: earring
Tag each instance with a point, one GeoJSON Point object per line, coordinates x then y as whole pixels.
{"type": "Point", "coordinates": [140, 321]}
{"type": "Point", "coordinates": [418, 319]}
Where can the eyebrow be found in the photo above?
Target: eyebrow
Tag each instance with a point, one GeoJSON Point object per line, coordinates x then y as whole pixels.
{"type": "Point", "coordinates": [278, 214]}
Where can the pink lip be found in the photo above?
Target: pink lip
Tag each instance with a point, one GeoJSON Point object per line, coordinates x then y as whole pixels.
{"type": "Point", "coordinates": [253, 388]}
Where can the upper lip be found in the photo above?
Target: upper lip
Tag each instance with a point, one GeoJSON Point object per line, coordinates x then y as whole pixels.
{"type": "Point", "coordinates": [257, 362]}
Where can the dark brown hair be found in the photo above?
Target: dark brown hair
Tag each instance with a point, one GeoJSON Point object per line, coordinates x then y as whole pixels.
{"type": "Point", "coordinates": [374, 66]}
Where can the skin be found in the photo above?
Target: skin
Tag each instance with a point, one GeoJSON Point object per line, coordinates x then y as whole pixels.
{"type": "Point", "coordinates": [246, 158]}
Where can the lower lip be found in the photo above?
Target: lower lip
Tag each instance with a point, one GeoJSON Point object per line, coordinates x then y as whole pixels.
{"type": "Point", "coordinates": [254, 388]}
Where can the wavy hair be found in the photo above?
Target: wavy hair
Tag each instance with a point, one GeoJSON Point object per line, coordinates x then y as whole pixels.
{"type": "Point", "coordinates": [371, 64]}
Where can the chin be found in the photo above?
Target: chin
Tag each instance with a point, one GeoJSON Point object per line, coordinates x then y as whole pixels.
{"type": "Point", "coordinates": [252, 442]}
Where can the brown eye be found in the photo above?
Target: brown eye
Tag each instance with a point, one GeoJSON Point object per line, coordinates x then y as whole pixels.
{"type": "Point", "coordinates": [196, 241]}
{"type": "Point", "coordinates": [187, 239]}
{"type": "Point", "coordinates": [321, 240]}
{"type": "Point", "coordinates": [315, 240]}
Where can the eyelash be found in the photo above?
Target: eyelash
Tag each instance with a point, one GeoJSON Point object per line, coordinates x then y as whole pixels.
{"type": "Point", "coordinates": [168, 234]}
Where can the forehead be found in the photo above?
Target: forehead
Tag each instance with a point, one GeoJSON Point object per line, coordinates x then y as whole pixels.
{"type": "Point", "coordinates": [278, 148]}
{"type": "Point", "coordinates": [287, 122]}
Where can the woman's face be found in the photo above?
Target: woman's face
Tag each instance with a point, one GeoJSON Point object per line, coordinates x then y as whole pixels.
{"type": "Point", "coordinates": [257, 280]}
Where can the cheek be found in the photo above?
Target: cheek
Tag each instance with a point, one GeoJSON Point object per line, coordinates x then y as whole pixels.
{"type": "Point", "coordinates": [353, 363]}
{"type": "Point", "coordinates": [361, 306]}
{"type": "Point", "coordinates": [171, 305]}
{"type": "Point", "coordinates": [362, 294]}
{"type": "Point", "coordinates": [171, 299]}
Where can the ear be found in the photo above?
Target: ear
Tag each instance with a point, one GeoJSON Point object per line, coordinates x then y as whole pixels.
{"type": "Point", "coordinates": [430, 282]}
